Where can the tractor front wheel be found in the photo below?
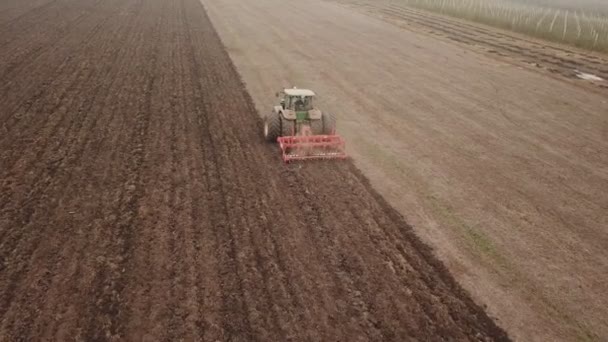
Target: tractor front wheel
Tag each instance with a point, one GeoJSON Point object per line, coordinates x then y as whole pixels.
{"type": "Point", "coordinates": [288, 127]}
{"type": "Point", "coordinates": [272, 127]}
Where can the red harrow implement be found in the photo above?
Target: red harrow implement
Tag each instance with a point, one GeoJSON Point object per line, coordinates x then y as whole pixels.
{"type": "Point", "coordinates": [312, 147]}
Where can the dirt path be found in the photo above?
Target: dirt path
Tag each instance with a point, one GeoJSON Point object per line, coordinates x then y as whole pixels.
{"type": "Point", "coordinates": [139, 202]}
{"type": "Point", "coordinates": [501, 166]}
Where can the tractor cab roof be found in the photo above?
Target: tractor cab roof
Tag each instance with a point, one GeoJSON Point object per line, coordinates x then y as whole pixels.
{"type": "Point", "coordinates": [298, 92]}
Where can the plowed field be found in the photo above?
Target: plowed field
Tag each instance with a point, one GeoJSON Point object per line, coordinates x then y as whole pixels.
{"type": "Point", "coordinates": [138, 200]}
{"type": "Point", "coordinates": [487, 142]}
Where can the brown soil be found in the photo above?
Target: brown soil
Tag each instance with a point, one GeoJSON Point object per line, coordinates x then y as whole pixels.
{"type": "Point", "coordinates": [498, 164]}
{"type": "Point", "coordinates": [139, 202]}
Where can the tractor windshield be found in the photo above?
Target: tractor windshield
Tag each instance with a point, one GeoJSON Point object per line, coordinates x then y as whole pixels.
{"type": "Point", "coordinates": [302, 103]}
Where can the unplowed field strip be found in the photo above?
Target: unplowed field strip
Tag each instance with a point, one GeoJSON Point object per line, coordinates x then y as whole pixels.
{"type": "Point", "coordinates": [554, 58]}
{"type": "Point", "coordinates": [138, 199]}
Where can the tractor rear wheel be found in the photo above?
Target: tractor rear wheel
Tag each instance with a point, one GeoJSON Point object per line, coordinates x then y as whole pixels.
{"type": "Point", "coordinates": [287, 127]}
{"type": "Point", "coordinates": [329, 123]}
{"type": "Point", "coordinates": [272, 127]}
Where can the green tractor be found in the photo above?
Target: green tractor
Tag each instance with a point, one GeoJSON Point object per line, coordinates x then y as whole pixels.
{"type": "Point", "coordinates": [302, 131]}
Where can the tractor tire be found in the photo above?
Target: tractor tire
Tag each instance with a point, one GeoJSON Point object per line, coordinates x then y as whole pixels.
{"type": "Point", "coordinates": [272, 127]}
{"type": "Point", "coordinates": [329, 123]}
{"type": "Point", "coordinates": [316, 127]}
{"type": "Point", "coordinates": [287, 127]}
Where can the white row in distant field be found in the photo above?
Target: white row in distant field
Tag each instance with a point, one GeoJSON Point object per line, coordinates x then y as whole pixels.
{"type": "Point", "coordinates": [583, 27]}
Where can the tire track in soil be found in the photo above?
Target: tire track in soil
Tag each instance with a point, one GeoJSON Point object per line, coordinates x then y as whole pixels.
{"type": "Point", "coordinates": [150, 207]}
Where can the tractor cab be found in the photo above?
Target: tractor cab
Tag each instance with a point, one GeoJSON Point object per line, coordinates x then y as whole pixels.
{"type": "Point", "coordinates": [297, 100]}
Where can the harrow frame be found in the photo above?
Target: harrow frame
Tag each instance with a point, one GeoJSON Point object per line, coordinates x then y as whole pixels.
{"type": "Point", "coordinates": [304, 147]}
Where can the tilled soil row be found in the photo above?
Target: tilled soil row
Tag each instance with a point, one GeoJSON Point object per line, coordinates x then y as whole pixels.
{"type": "Point", "coordinates": [139, 199]}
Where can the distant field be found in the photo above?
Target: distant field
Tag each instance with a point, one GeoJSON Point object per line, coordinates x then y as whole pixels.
{"type": "Point", "coordinates": [588, 5]}
{"type": "Point", "coordinates": [585, 25]}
